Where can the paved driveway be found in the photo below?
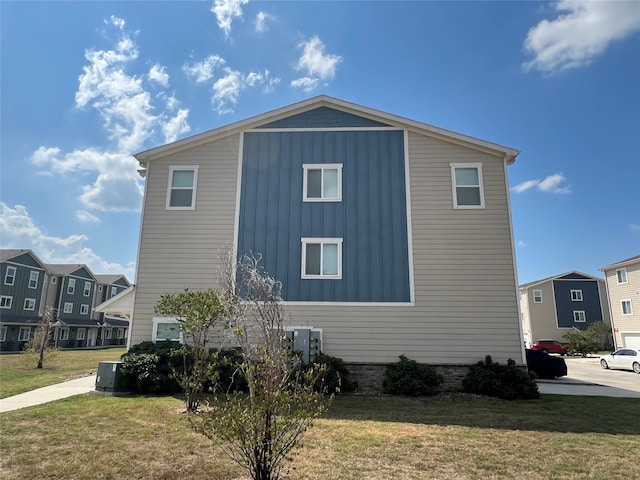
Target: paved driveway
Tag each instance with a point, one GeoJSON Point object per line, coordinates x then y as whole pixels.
{"type": "Point", "coordinates": [585, 377]}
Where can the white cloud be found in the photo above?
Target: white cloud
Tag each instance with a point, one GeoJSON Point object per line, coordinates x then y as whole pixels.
{"type": "Point", "coordinates": [551, 184]}
{"type": "Point", "coordinates": [634, 227]}
{"type": "Point", "coordinates": [262, 21]}
{"type": "Point", "coordinates": [20, 231]}
{"type": "Point", "coordinates": [203, 71]}
{"type": "Point", "coordinates": [226, 91]}
{"type": "Point", "coordinates": [522, 244]}
{"type": "Point", "coordinates": [86, 217]}
{"type": "Point", "coordinates": [317, 65]}
{"type": "Point", "coordinates": [265, 78]}
{"type": "Point", "coordinates": [158, 74]}
{"type": "Point", "coordinates": [226, 11]}
{"type": "Point", "coordinates": [582, 31]}
{"type": "Point", "coordinates": [176, 126]}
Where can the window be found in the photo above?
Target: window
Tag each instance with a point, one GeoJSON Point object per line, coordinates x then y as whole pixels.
{"type": "Point", "coordinates": [33, 279]}
{"type": "Point", "coordinates": [54, 280]}
{"type": "Point", "coordinates": [181, 194]}
{"type": "Point", "coordinates": [114, 291]}
{"type": "Point", "coordinates": [68, 307]}
{"type": "Point", "coordinates": [120, 333]}
{"type": "Point", "coordinates": [466, 179]}
{"type": "Point", "coordinates": [71, 288]}
{"type": "Point", "coordinates": [579, 316]}
{"type": "Point", "coordinates": [5, 301]}
{"type": "Point", "coordinates": [29, 304]}
{"type": "Point", "coordinates": [537, 296]}
{"type": "Point", "coordinates": [81, 333]}
{"type": "Point", "coordinates": [107, 334]}
{"type": "Point", "coordinates": [64, 334]}
{"type": "Point", "coordinates": [322, 258]}
{"type": "Point", "coordinates": [84, 309]}
{"type": "Point", "coordinates": [322, 182]}
{"type": "Point", "coordinates": [24, 334]}
{"type": "Point", "coordinates": [3, 334]}
{"type": "Point", "coordinates": [99, 288]}
{"type": "Point", "coordinates": [576, 295]}
{"type": "Point", "coordinates": [621, 273]}
{"type": "Point", "coordinates": [10, 276]}
{"type": "Point", "coordinates": [626, 307]}
{"type": "Point", "coordinates": [166, 328]}
{"type": "Point", "coordinates": [87, 289]}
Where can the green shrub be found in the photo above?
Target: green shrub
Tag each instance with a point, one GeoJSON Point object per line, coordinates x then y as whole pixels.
{"type": "Point", "coordinates": [149, 367]}
{"type": "Point", "coordinates": [508, 382]}
{"type": "Point", "coordinates": [225, 370]}
{"type": "Point", "coordinates": [335, 378]}
{"type": "Point", "coordinates": [408, 377]}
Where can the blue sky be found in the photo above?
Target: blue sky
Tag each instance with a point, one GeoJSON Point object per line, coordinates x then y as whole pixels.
{"type": "Point", "coordinates": [84, 85]}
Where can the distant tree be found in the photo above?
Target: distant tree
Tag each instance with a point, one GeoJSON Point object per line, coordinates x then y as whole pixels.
{"type": "Point", "coordinates": [258, 430]}
{"type": "Point", "coordinates": [593, 339]}
{"type": "Point", "coordinates": [40, 345]}
{"type": "Point", "coordinates": [198, 314]}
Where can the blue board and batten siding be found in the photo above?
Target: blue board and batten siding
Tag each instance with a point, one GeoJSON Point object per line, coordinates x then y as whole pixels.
{"type": "Point", "coordinates": [565, 306]}
{"type": "Point", "coordinates": [273, 217]}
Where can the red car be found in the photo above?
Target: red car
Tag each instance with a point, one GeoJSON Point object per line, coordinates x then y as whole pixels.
{"type": "Point", "coordinates": [549, 346]}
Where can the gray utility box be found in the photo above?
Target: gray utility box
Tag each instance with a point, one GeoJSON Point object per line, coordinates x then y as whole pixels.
{"type": "Point", "coordinates": [110, 379]}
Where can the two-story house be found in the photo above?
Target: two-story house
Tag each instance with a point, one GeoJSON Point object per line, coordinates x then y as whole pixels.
{"type": "Point", "coordinates": [23, 279]}
{"type": "Point", "coordinates": [623, 290]}
{"type": "Point", "coordinates": [389, 236]}
{"type": "Point", "coordinates": [553, 306]}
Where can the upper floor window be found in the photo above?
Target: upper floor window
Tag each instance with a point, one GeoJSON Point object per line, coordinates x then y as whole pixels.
{"type": "Point", "coordinates": [99, 288]}
{"type": "Point", "coordinates": [322, 182]}
{"type": "Point", "coordinates": [10, 276]}
{"type": "Point", "coordinates": [322, 258]}
{"type": "Point", "coordinates": [71, 287]}
{"type": "Point", "coordinates": [579, 316]}
{"type": "Point", "coordinates": [114, 291]}
{"type": "Point", "coordinates": [621, 273]}
{"type": "Point", "coordinates": [626, 307]}
{"type": "Point", "coordinates": [68, 307]}
{"type": "Point", "coordinates": [54, 280]}
{"type": "Point", "coordinates": [84, 309]}
{"type": "Point", "coordinates": [5, 301]}
{"type": "Point", "coordinates": [33, 279]}
{"type": "Point", "coordinates": [29, 304]}
{"type": "Point", "coordinates": [87, 289]}
{"type": "Point", "coordinates": [181, 192]}
{"type": "Point", "coordinates": [537, 296]}
{"type": "Point", "coordinates": [466, 179]}
{"type": "Point", "coordinates": [576, 295]}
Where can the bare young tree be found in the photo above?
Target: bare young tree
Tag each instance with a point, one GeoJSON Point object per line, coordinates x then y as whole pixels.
{"type": "Point", "coordinates": [259, 430]}
{"type": "Point", "coordinates": [40, 344]}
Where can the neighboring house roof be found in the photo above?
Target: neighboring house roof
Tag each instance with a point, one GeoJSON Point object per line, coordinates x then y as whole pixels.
{"type": "Point", "coordinates": [120, 304]}
{"type": "Point", "coordinates": [109, 279]}
{"type": "Point", "coordinates": [63, 269]}
{"type": "Point", "coordinates": [115, 322]}
{"type": "Point", "coordinates": [79, 322]}
{"type": "Point", "coordinates": [507, 153]}
{"type": "Point", "coordinates": [524, 286]}
{"type": "Point", "coordinates": [7, 254]}
{"type": "Point", "coordinates": [622, 263]}
{"type": "Point", "coordinates": [5, 320]}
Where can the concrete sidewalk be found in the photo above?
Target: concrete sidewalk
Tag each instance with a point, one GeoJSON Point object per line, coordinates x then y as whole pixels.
{"type": "Point", "coordinates": [567, 386]}
{"type": "Point", "coordinates": [48, 394]}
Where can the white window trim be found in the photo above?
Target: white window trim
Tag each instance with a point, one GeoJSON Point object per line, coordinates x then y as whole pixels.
{"type": "Point", "coordinates": [12, 276]}
{"type": "Point", "coordinates": [622, 302]}
{"type": "Point", "coordinates": [54, 280]}
{"type": "Point", "coordinates": [3, 333]}
{"type": "Point", "coordinates": [114, 291]}
{"type": "Point", "coordinates": [157, 320]}
{"type": "Point", "coordinates": [71, 286]}
{"type": "Point", "coordinates": [322, 241]}
{"type": "Point", "coordinates": [120, 334]}
{"type": "Point", "coordinates": [36, 279]}
{"type": "Point", "coordinates": [194, 187]}
{"type": "Point", "coordinates": [478, 166]}
{"type": "Point", "coordinates": [540, 296]}
{"type": "Point", "coordinates": [87, 292]}
{"type": "Point", "coordinates": [81, 334]}
{"type": "Point", "coordinates": [107, 334]}
{"type": "Point", "coordinates": [577, 314]}
{"type": "Point", "coordinates": [321, 166]}
{"type": "Point", "coordinates": [7, 300]}
{"type": "Point", "coordinates": [69, 309]}
{"type": "Point", "coordinates": [29, 304]}
{"type": "Point", "coordinates": [576, 296]}
{"type": "Point", "coordinates": [21, 337]}
{"type": "Point", "coordinates": [99, 288]}
{"type": "Point", "coordinates": [84, 309]}
{"type": "Point", "coordinates": [624, 271]}
{"type": "Point", "coordinates": [64, 334]}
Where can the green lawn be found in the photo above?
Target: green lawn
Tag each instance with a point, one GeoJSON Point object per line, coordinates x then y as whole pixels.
{"type": "Point", "coordinates": [18, 372]}
{"type": "Point", "coordinates": [376, 438]}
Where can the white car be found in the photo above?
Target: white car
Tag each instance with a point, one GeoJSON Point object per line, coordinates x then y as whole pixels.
{"type": "Point", "coordinates": [623, 359]}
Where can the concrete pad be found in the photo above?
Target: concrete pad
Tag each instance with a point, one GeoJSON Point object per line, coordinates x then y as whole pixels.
{"type": "Point", "coordinates": [48, 394]}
